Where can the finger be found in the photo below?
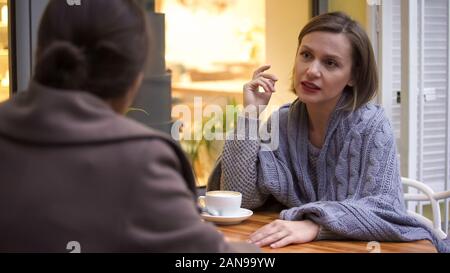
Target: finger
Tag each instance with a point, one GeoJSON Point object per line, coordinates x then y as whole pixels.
{"type": "Point", "coordinates": [263, 232]}
{"type": "Point", "coordinates": [287, 240]}
{"type": "Point", "coordinates": [271, 83]}
{"type": "Point", "coordinates": [255, 84]}
{"type": "Point", "coordinates": [267, 84]}
{"type": "Point", "coordinates": [258, 236]}
{"type": "Point", "coordinates": [269, 76]}
{"type": "Point", "coordinates": [261, 69]}
{"type": "Point", "coordinates": [275, 237]}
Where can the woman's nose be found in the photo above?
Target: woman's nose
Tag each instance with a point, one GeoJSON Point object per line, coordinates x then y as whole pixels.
{"type": "Point", "coordinates": [313, 70]}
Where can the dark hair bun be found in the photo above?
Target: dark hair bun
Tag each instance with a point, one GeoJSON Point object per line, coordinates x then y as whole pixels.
{"type": "Point", "coordinates": [62, 65]}
{"type": "Point", "coordinates": [102, 55]}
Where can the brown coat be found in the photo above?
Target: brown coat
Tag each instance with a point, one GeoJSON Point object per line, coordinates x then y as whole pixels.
{"type": "Point", "coordinates": [73, 170]}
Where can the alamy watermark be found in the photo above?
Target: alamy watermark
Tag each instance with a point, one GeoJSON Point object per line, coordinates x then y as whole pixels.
{"type": "Point", "coordinates": [373, 247]}
{"type": "Point", "coordinates": [73, 2]}
{"type": "Point", "coordinates": [214, 122]}
{"type": "Point", "coordinates": [74, 247]}
{"type": "Point", "coordinates": [374, 2]}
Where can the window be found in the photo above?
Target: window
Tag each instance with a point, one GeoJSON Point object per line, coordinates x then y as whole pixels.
{"type": "Point", "coordinates": [415, 79]}
{"type": "Point", "coordinates": [213, 40]}
{"type": "Point", "coordinates": [415, 85]}
{"type": "Point", "coordinates": [4, 48]}
{"type": "Point", "coordinates": [212, 48]}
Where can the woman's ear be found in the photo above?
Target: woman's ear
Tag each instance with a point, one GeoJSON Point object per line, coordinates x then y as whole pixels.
{"type": "Point", "coordinates": [350, 83]}
{"type": "Point", "coordinates": [133, 90]}
{"type": "Point", "coordinates": [138, 81]}
{"type": "Point", "coordinates": [121, 104]}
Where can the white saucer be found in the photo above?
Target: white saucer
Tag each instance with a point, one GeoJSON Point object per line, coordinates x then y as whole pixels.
{"type": "Point", "coordinates": [228, 220]}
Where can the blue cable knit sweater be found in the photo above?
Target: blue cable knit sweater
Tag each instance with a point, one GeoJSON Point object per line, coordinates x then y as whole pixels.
{"type": "Point", "coordinates": [358, 194]}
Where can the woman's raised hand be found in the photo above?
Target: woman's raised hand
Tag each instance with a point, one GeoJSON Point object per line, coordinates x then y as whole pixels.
{"type": "Point", "coordinates": [252, 95]}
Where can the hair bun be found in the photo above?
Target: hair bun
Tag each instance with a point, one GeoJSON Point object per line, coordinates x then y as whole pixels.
{"type": "Point", "coordinates": [62, 65]}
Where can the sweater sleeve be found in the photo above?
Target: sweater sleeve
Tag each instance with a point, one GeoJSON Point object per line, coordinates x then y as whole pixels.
{"type": "Point", "coordinates": [236, 169]}
{"type": "Point", "coordinates": [375, 210]}
{"type": "Point", "coordinates": [249, 165]}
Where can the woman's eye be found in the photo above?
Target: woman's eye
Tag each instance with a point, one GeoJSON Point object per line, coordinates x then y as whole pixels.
{"type": "Point", "coordinates": [331, 63]}
{"type": "Point", "coordinates": [305, 55]}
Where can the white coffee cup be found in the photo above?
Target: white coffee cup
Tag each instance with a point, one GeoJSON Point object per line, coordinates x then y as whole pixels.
{"type": "Point", "coordinates": [221, 203]}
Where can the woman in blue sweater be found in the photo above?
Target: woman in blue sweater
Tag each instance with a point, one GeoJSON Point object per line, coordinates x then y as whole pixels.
{"type": "Point", "coordinates": [334, 166]}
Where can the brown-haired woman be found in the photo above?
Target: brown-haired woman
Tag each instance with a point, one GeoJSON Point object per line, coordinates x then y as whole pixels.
{"type": "Point", "coordinates": [72, 167]}
{"type": "Point", "coordinates": [334, 167]}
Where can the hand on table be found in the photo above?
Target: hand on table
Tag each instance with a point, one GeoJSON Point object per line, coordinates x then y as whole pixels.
{"type": "Point", "coordinates": [281, 233]}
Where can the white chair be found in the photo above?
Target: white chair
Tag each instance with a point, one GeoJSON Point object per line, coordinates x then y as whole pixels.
{"type": "Point", "coordinates": [427, 195]}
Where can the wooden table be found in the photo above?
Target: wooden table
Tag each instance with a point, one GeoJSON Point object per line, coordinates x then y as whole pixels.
{"type": "Point", "coordinates": [241, 232]}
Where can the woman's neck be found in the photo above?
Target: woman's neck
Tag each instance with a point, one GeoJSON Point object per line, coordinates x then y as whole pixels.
{"type": "Point", "coordinates": [318, 119]}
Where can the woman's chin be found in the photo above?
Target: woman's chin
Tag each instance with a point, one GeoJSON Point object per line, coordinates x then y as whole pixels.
{"type": "Point", "coordinates": [308, 98]}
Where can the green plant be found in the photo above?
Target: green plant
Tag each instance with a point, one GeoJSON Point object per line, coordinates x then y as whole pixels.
{"type": "Point", "coordinates": [203, 153]}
